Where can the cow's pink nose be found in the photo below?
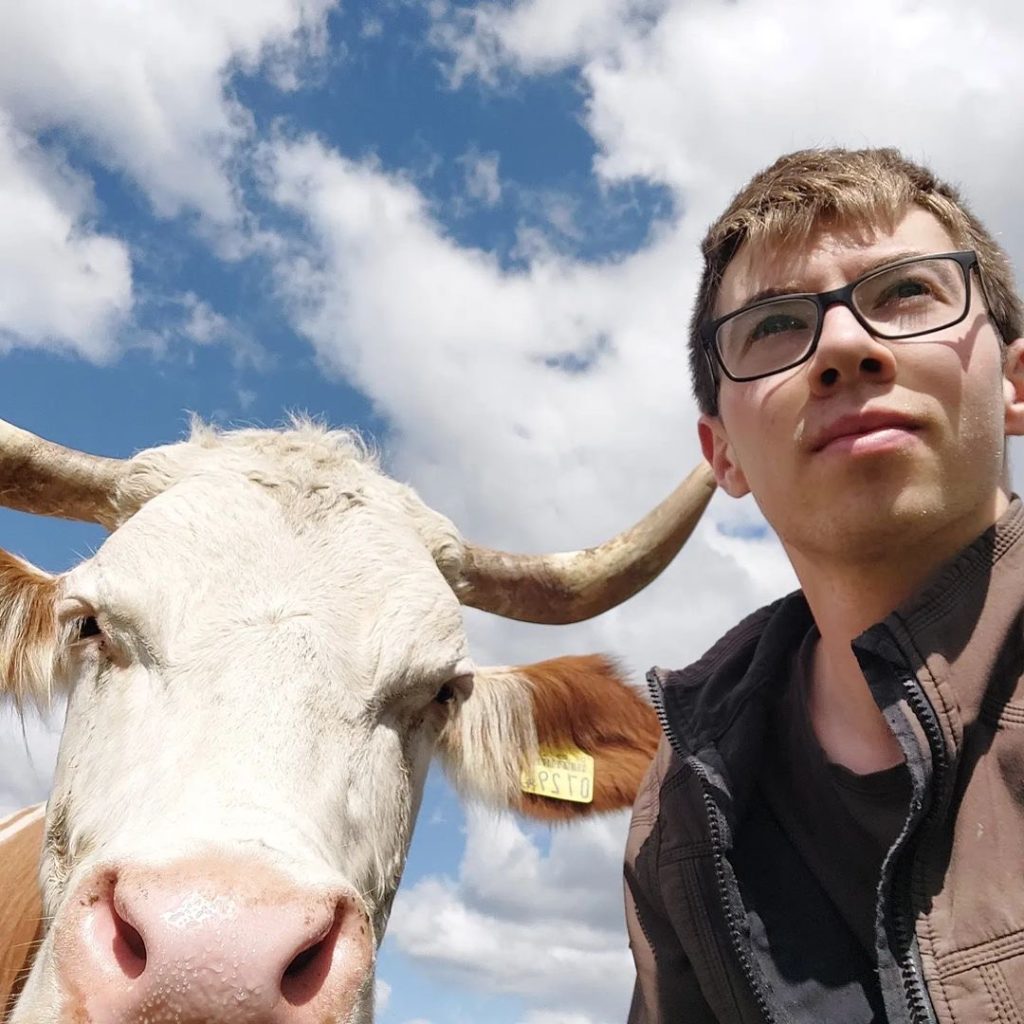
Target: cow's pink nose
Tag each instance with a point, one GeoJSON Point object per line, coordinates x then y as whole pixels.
{"type": "Point", "coordinates": [212, 939]}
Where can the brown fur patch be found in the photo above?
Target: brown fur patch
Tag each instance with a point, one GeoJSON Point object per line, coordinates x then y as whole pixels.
{"type": "Point", "coordinates": [30, 640]}
{"type": "Point", "coordinates": [583, 702]}
{"type": "Point", "coordinates": [21, 923]}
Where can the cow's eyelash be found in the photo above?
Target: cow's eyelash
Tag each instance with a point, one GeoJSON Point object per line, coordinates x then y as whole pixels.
{"type": "Point", "coordinates": [455, 689]}
{"type": "Point", "coordinates": [446, 694]}
{"type": "Point", "coordinates": [443, 694]}
{"type": "Point", "coordinates": [86, 628]}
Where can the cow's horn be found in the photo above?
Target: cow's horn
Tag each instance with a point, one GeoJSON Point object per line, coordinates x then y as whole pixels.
{"type": "Point", "coordinates": [576, 585]}
{"type": "Point", "coordinates": [47, 479]}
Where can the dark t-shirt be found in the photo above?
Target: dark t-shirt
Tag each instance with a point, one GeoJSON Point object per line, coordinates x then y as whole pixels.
{"type": "Point", "coordinates": [808, 858]}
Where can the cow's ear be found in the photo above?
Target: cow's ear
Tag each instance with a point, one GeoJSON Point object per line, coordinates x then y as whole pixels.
{"type": "Point", "coordinates": [30, 634]}
{"type": "Point", "coordinates": [584, 703]}
{"type": "Point", "coordinates": [574, 703]}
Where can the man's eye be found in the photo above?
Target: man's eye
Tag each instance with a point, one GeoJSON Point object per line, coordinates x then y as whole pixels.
{"type": "Point", "coordinates": [903, 290]}
{"type": "Point", "coordinates": [780, 323]}
{"type": "Point", "coordinates": [87, 627]}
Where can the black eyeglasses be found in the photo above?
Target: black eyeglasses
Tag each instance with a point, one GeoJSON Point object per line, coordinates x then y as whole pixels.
{"type": "Point", "coordinates": [907, 299]}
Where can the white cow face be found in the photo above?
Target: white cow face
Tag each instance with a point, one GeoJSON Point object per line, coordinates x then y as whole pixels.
{"type": "Point", "coordinates": [254, 670]}
{"type": "Point", "coordinates": [257, 673]}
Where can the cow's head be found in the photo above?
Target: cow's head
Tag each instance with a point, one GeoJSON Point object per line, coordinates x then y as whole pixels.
{"type": "Point", "coordinates": [260, 662]}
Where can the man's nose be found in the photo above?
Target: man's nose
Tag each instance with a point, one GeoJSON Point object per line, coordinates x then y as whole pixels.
{"type": "Point", "coordinates": [847, 352]}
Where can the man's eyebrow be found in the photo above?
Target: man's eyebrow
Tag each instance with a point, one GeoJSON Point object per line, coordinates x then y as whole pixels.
{"type": "Point", "coordinates": [793, 287]}
{"type": "Point", "coordinates": [775, 292]}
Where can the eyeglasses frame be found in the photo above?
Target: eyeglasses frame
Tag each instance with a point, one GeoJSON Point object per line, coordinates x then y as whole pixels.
{"type": "Point", "coordinates": [967, 260]}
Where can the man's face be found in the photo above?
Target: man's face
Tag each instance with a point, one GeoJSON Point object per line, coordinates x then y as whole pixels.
{"type": "Point", "coordinates": [921, 423]}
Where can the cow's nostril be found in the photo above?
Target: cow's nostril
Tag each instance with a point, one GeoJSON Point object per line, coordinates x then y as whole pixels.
{"type": "Point", "coordinates": [302, 961]}
{"type": "Point", "coordinates": [304, 977]}
{"type": "Point", "coordinates": [128, 946]}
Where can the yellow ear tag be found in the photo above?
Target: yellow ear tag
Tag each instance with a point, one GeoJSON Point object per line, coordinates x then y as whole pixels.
{"type": "Point", "coordinates": [563, 774]}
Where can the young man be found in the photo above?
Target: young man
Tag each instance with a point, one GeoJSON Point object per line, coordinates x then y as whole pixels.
{"type": "Point", "coordinates": [834, 828]}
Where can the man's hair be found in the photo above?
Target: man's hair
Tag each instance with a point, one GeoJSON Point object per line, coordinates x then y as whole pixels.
{"type": "Point", "coordinates": [782, 207]}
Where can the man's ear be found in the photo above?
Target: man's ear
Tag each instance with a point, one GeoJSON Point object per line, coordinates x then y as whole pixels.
{"type": "Point", "coordinates": [714, 442]}
{"type": "Point", "coordinates": [1013, 387]}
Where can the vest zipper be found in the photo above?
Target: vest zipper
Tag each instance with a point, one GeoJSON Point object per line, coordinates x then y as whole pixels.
{"type": "Point", "coordinates": [711, 812]}
{"type": "Point", "coordinates": [918, 1001]}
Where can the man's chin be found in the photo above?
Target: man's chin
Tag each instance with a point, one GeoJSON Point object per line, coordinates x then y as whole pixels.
{"type": "Point", "coordinates": [869, 524]}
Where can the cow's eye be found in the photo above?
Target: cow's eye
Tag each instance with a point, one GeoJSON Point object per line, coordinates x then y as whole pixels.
{"type": "Point", "coordinates": [87, 627]}
{"type": "Point", "coordinates": [446, 694]}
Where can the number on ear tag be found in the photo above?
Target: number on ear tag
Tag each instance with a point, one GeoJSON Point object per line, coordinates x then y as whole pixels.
{"type": "Point", "coordinates": [563, 774]}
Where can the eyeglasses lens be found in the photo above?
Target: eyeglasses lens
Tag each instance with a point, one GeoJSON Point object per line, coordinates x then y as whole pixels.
{"type": "Point", "coordinates": [911, 299]}
{"type": "Point", "coordinates": [768, 337]}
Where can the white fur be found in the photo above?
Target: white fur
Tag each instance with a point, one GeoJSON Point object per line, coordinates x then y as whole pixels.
{"type": "Point", "coordinates": [484, 748]}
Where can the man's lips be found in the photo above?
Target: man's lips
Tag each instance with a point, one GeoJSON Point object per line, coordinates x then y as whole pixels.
{"type": "Point", "coordinates": [859, 425]}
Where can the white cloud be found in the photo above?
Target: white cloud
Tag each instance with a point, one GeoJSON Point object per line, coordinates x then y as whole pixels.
{"type": "Point", "coordinates": [371, 28]}
{"type": "Point", "coordinates": [145, 87]}
{"type": "Point", "coordinates": [558, 1017]}
{"type": "Point", "coordinates": [62, 284]}
{"type": "Point", "coordinates": [381, 994]}
{"type": "Point", "coordinates": [204, 326]}
{"type": "Point", "coordinates": [546, 927]}
{"type": "Point", "coordinates": [387, 299]}
{"type": "Point", "coordinates": [482, 182]}
{"type": "Point", "coordinates": [538, 36]}
{"type": "Point", "coordinates": [246, 397]}
{"type": "Point", "coordinates": [184, 317]}
{"type": "Point", "coordinates": [28, 752]}
{"type": "Point", "coordinates": [697, 96]}
{"type": "Point", "coordinates": [145, 84]}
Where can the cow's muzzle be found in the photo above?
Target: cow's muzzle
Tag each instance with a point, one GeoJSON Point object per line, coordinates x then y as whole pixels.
{"type": "Point", "coordinates": [213, 938]}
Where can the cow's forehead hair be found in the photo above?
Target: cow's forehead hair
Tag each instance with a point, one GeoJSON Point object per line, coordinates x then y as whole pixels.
{"type": "Point", "coordinates": [295, 465]}
{"type": "Point", "coordinates": [212, 525]}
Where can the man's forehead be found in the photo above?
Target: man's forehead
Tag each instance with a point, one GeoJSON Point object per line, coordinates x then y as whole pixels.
{"type": "Point", "coordinates": [829, 255]}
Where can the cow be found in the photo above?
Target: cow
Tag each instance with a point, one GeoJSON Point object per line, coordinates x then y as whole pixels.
{"type": "Point", "coordinates": [260, 662]}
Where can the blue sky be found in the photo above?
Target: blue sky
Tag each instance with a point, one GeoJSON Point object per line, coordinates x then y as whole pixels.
{"type": "Point", "coordinates": [470, 230]}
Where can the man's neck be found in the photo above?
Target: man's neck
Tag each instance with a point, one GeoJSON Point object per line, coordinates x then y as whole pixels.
{"type": "Point", "coordinates": [846, 597]}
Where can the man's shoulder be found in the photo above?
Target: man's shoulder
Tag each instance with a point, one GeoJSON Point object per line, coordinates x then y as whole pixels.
{"type": "Point", "coordinates": [701, 699]}
{"type": "Point", "coordinates": [739, 647]}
